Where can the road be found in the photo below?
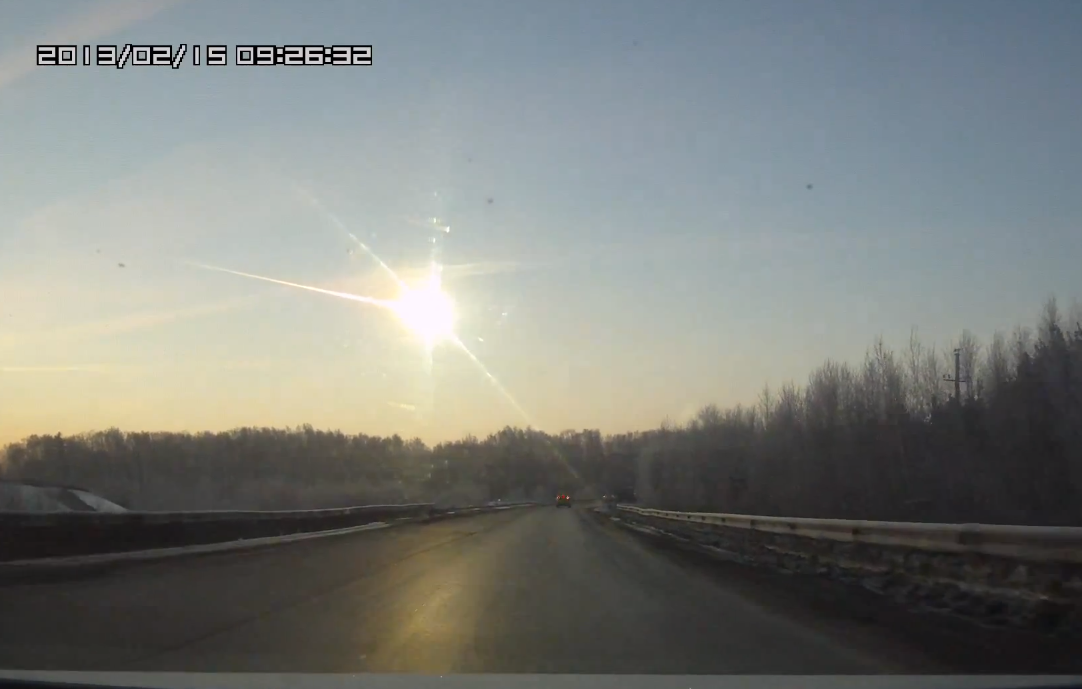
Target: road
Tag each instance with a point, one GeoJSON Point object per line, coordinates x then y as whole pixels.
{"type": "Point", "coordinates": [531, 590]}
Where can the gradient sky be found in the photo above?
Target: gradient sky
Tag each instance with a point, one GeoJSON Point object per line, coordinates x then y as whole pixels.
{"type": "Point", "coordinates": [650, 245]}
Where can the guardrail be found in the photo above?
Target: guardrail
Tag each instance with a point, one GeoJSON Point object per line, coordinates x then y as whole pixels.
{"type": "Point", "coordinates": [1030, 543]}
{"type": "Point", "coordinates": [32, 535]}
{"type": "Point", "coordinates": [1018, 575]}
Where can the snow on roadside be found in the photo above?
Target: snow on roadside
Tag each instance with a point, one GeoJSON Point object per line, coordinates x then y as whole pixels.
{"type": "Point", "coordinates": [97, 502]}
{"type": "Point", "coordinates": [24, 497]}
{"type": "Point", "coordinates": [16, 497]}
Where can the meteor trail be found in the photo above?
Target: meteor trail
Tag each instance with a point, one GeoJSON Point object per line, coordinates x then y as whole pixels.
{"type": "Point", "coordinates": [426, 310]}
{"type": "Point", "coordinates": [382, 303]}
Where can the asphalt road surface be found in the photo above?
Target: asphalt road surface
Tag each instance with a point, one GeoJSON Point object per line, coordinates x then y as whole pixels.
{"type": "Point", "coordinates": [532, 590]}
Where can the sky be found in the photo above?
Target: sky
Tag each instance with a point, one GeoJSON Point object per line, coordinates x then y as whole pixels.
{"type": "Point", "coordinates": [625, 183]}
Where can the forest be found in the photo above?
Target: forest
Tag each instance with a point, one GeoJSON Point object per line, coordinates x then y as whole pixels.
{"type": "Point", "coordinates": [885, 438]}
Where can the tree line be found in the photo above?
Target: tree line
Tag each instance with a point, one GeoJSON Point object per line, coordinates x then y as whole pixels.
{"type": "Point", "coordinates": [882, 439]}
{"type": "Point", "coordinates": [306, 468]}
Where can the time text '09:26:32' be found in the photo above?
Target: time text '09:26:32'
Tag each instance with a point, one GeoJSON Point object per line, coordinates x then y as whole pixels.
{"type": "Point", "coordinates": [164, 55]}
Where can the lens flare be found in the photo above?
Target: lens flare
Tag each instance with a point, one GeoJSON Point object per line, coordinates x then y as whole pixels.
{"type": "Point", "coordinates": [428, 312]}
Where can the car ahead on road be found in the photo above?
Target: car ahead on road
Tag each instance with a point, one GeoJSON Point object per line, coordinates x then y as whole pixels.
{"type": "Point", "coordinates": [563, 500]}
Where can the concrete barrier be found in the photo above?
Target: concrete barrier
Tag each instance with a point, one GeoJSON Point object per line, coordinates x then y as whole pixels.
{"type": "Point", "coordinates": [35, 535]}
{"type": "Point", "coordinates": [26, 535]}
{"type": "Point", "coordinates": [1004, 575]}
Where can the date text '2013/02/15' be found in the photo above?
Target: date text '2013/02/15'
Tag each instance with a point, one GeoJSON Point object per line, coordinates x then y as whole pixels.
{"type": "Point", "coordinates": [120, 56]}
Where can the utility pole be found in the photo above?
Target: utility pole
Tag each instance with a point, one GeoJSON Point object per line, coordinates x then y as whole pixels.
{"type": "Point", "coordinates": [957, 379]}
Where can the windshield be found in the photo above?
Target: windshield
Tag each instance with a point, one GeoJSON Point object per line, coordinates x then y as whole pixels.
{"type": "Point", "coordinates": [313, 314]}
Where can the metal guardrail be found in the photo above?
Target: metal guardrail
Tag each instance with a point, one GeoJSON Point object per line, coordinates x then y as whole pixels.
{"type": "Point", "coordinates": [193, 516]}
{"type": "Point", "coordinates": [462, 511]}
{"type": "Point", "coordinates": [1029, 543]}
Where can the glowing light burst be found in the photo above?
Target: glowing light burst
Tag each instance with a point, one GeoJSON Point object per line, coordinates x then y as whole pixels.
{"type": "Point", "coordinates": [426, 310]}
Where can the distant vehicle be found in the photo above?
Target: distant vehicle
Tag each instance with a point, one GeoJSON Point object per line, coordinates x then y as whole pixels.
{"type": "Point", "coordinates": [563, 500]}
